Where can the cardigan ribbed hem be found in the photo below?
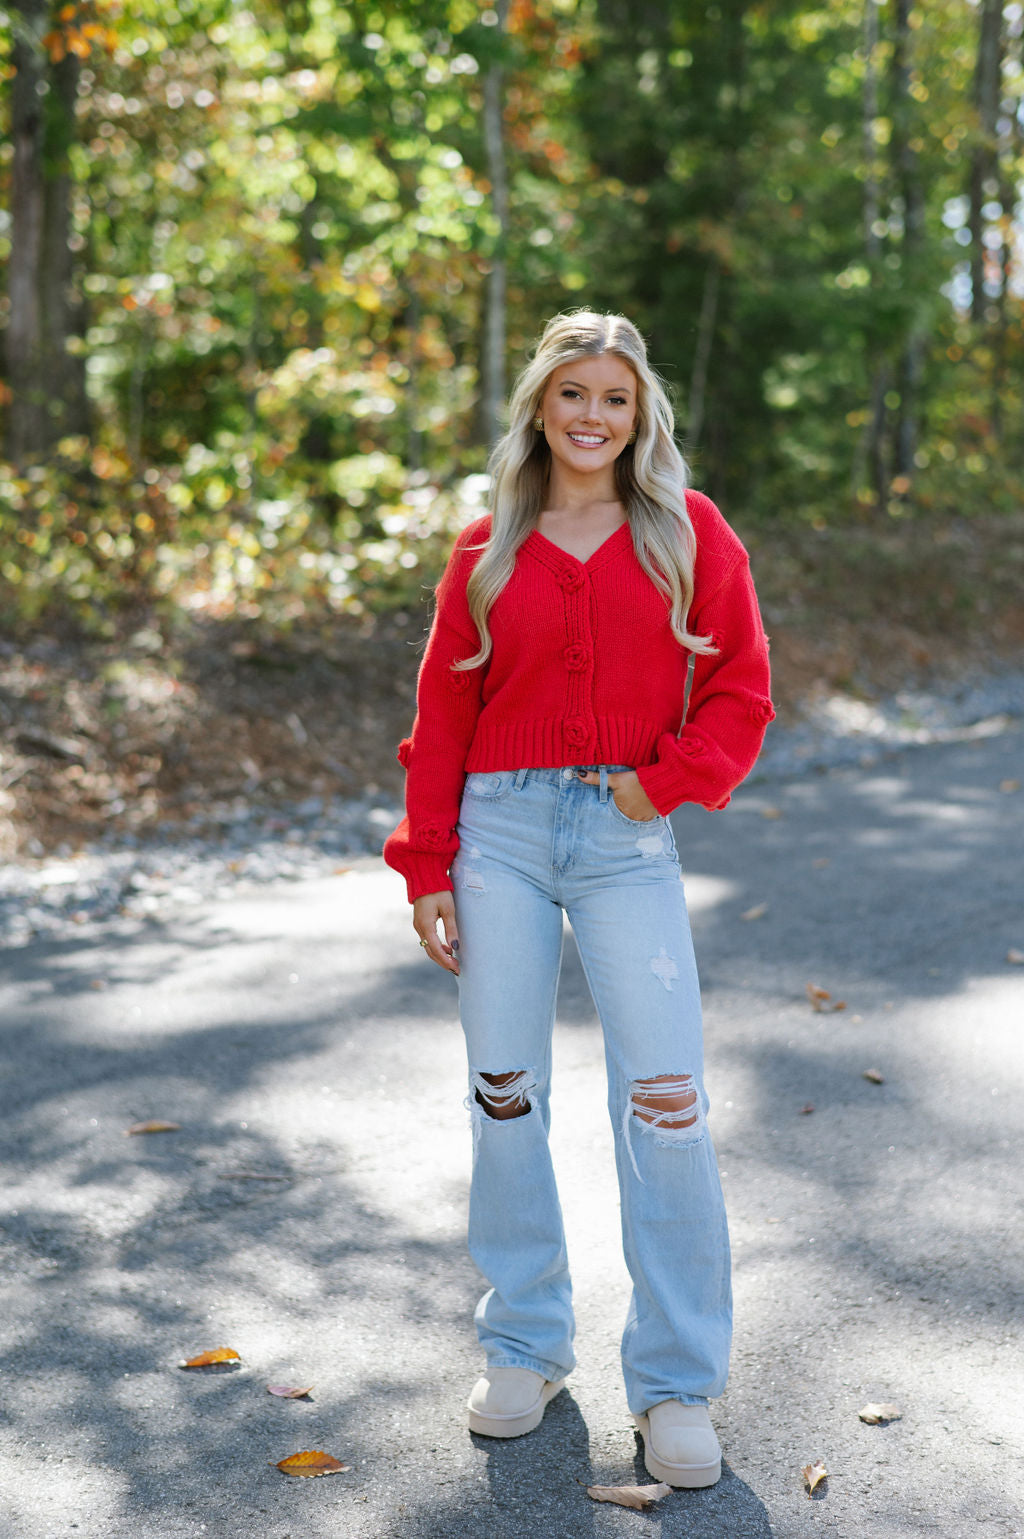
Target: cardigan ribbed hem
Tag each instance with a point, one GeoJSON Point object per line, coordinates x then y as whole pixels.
{"type": "Point", "coordinates": [554, 744]}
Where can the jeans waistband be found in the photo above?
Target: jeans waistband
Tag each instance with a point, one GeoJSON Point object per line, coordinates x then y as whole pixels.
{"type": "Point", "coordinates": [568, 773]}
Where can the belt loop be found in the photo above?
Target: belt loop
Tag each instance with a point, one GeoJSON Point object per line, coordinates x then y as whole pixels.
{"type": "Point", "coordinates": [520, 779]}
{"type": "Point", "coordinates": [602, 770]}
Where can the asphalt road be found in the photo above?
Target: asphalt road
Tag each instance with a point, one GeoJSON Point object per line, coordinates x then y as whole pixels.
{"type": "Point", "coordinates": [309, 1213]}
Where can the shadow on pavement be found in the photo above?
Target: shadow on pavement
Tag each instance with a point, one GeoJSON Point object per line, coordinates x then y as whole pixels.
{"type": "Point", "coordinates": [309, 1213]}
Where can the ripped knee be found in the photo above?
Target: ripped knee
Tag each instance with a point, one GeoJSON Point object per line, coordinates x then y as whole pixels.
{"type": "Point", "coordinates": [669, 1102]}
{"type": "Point", "coordinates": [669, 1109]}
{"type": "Point", "coordinates": [504, 1096]}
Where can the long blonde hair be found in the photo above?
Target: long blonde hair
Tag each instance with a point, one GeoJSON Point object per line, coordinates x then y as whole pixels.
{"type": "Point", "coordinates": [650, 475]}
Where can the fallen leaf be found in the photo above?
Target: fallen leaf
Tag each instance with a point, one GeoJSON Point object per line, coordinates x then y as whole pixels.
{"type": "Point", "coordinates": [155, 1126]}
{"type": "Point", "coordinates": [813, 1475]}
{"type": "Point", "coordinates": [873, 1413]}
{"type": "Point", "coordinates": [1009, 785]}
{"type": "Point", "coordinates": [805, 1111]}
{"type": "Point", "coordinates": [771, 812]}
{"type": "Point", "coordinates": [821, 1000]}
{"type": "Point", "coordinates": [284, 1393]}
{"type": "Point", "coordinates": [757, 912]}
{"type": "Point", "coordinates": [1015, 956]}
{"type": "Point", "coordinates": [637, 1497]}
{"type": "Point", "coordinates": [312, 1461]}
{"type": "Point", "coordinates": [207, 1359]}
{"type": "Point", "coordinates": [821, 862]}
{"type": "Point", "coordinates": [875, 1076]}
{"type": "Point", "coordinates": [98, 983]}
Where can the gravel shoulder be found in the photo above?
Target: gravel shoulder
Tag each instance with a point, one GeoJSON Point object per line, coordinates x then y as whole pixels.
{"type": "Point", "coordinates": [310, 1211]}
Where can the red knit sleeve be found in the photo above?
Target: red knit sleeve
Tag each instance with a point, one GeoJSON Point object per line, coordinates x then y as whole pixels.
{"type": "Point", "coordinates": [730, 704]}
{"type": "Point", "coordinates": [448, 701]}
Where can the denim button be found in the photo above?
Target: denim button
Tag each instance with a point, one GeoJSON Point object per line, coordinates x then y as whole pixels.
{"type": "Point", "coordinates": [568, 774]}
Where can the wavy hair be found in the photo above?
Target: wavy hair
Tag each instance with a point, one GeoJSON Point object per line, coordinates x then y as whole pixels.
{"type": "Point", "coordinates": [650, 475]}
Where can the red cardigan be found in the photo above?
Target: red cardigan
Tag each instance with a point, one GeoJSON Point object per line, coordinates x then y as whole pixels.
{"type": "Point", "coordinates": [585, 670]}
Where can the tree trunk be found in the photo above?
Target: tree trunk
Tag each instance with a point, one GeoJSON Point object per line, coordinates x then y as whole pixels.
{"type": "Point", "coordinates": [984, 176]}
{"type": "Point", "coordinates": [61, 312]}
{"type": "Point", "coordinates": [908, 180]}
{"type": "Point", "coordinates": [702, 351]}
{"type": "Point", "coordinates": [870, 457]}
{"type": "Point", "coordinates": [27, 435]}
{"type": "Point", "coordinates": [492, 370]}
{"type": "Point", "coordinates": [47, 382]}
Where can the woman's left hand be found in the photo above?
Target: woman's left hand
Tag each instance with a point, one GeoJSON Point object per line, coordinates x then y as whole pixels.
{"type": "Point", "coordinates": [630, 796]}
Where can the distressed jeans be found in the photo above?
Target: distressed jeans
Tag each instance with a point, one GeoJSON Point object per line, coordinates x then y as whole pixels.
{"type": "Point", "coordinates": [533, 843]}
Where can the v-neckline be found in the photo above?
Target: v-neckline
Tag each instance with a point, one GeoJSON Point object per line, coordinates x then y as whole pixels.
{"type": "Point", "coordinates": [566, 555]}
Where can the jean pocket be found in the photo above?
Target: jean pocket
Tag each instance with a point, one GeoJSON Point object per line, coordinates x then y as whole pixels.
{"type": "Point", "coordinates": [489, 785]}
{"type": "Point", "coordinates": [633, 822]}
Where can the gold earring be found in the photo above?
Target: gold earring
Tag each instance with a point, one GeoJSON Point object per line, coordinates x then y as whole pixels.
{"type": "Point", "coordinates": [538, 423]}
{"type": "Point", "coordinates": [632, 437]}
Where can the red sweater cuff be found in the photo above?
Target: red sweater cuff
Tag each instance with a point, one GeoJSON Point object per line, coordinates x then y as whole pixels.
{"type": "Point", "coordinates": [426, 873]}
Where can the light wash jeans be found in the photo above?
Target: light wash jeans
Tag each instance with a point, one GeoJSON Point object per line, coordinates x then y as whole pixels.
{"type": "Point", "coordinates": [532, 843]}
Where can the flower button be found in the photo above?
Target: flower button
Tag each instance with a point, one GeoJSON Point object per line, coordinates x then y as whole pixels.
{"type": "Point", "coordinates": [577, 657]}
{"type": "Point", "coordinates": [404, 750]}
{"type": "Point", "coordinates": [692, 747]}
{"type": "Point", "coordinates": [762, 710]}
{"type": "Point", "coordinates": [571, 579]}
{"type": "Point", "coordinates": [459, 682]}
{"type": "Point", "coordinates": [575, 733]}
{"type": "Point", "coordinates": [432, 836]}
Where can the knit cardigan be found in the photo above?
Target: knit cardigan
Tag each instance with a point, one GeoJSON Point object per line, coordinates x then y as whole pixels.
{"type": "Point", "coordinates": [584, 670]}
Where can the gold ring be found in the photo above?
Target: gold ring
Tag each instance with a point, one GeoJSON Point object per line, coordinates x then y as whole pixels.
{"type": "Point", "coordinates": [424, 945]}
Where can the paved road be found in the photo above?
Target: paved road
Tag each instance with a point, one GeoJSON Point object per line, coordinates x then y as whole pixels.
{"type": "Point", "coordinates": [296, 1033]}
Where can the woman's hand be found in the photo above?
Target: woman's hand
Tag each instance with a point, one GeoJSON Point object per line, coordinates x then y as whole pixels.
{"type": "Point", "coordinates": [426, 912]}
{"type": "Point", "coordinates": [630, 796]}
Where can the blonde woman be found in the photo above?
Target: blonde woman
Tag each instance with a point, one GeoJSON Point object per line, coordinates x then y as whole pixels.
{"type": "Point", "coordinates": [552, 739]}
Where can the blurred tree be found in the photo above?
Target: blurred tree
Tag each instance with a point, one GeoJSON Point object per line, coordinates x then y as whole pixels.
{"type": "Point", "coordinates": [45, 373]}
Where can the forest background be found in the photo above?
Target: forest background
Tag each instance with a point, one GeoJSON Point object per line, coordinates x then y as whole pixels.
{"type": "Point", "coordinates": [269, 264]}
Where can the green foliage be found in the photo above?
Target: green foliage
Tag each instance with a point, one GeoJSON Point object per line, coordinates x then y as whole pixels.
{"type": "Point", "coordinates": [93, 535]}
{"type": "Point", "coordinates": [283, 227]}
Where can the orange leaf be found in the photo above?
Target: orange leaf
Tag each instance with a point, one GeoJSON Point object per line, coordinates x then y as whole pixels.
{"type": "Point", "coordinates": [284, 1393]}
{"type": "Point", "coordinates": [215, 1355]}
{"type": "Point", "coordinates": [814, 1474]}
{"type": "Point", "coordinates": [312, 1462]}
{"type": "Point", "coordinates": [821, 1000]}
{"type": "Point", "coordinates": [154, 1126]}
